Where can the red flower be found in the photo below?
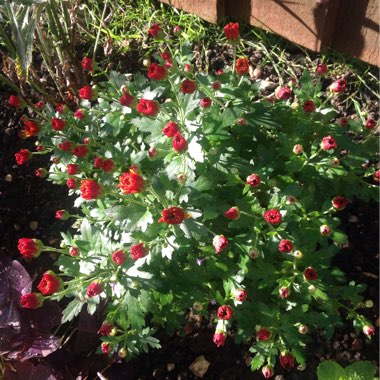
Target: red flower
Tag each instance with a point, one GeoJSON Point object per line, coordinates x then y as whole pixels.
{"type": "Point", "coordinates": [85, 93]}
{"type": "Point", "coordinates": [90, 189]}
{"type": "Point", "coordinates": [66, 146]}
{"type": "Point", "coordinates": [179, 143]}
{"type": "Point", "coordinates": [131, 183]}
{"type": "Point", "coordinates": [339, 202]}
{"type": "Point", "coordinates": [267, 372]}
{"type": "Point", "coordinates": [283, 93]}
{"type": "Point", "coordinates": [187, 68]}
{"type": "Point", "coordinates": [273, 216]}
{"type": "Point", "coordinates": [253, 180]}
{"type": "Point", "coordinates": [148, 107]}
{"type": "Point", "coordinates": [285, 246]}
{"type": "Point", "coordinates": [177, 29]}
{"type": "Point", "coordinates": [263, 334]}
{"type": "Point", "coordinates": [232, 31]}
{"type": "Point", "coordinates": [165, 55]}
{"type": "Point", "coordinates": [328, 143]}
{"type": "Point", "coordinates": [72, 169]}
{"type": "Point", "coordinates": [23, 156]}
{"type": "Point", "coordinates": [220, 242]}
{"type": "Point", "coordinates": [219, 338]}
{"type": "Point", "coordinates": [225, 312]}
{"type": "Point", "coordinates": [205, 102]}
{"type": "Point", "coordinates": [74, 251]}
{"type": "Point", "coordinates": [41, 172]}
{"type": "Point", "coordinates": [60, 108]}
{"type": "Point", "coordinates": [98, 162]}
{"type": "Point", "coordinates": [309, 106]}
{"type": "Point", "coordinates": [31, 128]}
{"type": "Point", "coordinates": [216, 85]}
{"type": "Point", "coordinates": [94, 289]}
{"type": "Point", "coordinates": [87, 64]}
{"type": "Point", "coordinates": [29, 248]}
{"type": "Point", "coordinates": [105, 329]}
{"type": "Point", "coordinates": [138, 251]}
{"type": "Point", "coordinates": [322, 69]}
{"type": "Point", "coordinates": [172, 215]}
{"type": "Point", "coordinates": [152, 152]}
{"type": "Point", "coordinates": [108, 165]}
{"type": "Point", "coordinates": [57, 124]}
{"type": "Point", "coordinates": [338, 86]}
{"type": "Point", "coordinates": [287, 360]}
{"type": "Point", "coordinates": [80, 151]}
{"type": "Point", "coordinates": [376, 176]}
{"type": "Point", "coordinates": [31, 301]}
{"type": "Point", "coordinates": [242, 66]}
{"type": "Point", "coordinates": [39, 105]}
{"type": "Point", "coordinates": [49, 284]}
{"type": "Point", "coordinates": [118, 257]}
{"type": "Point", "coordinates": [170, 129]}
{"type": "Point", "coordinates": [71, 183]}
{"type": "Point", "coordinates": [154, 30]}
{"type": "Point", "coordinates": [369, 330]}
{"type": "Point", "coordinates": [232, 213]}
{"type": "Point", "coordinates": [310, 274]}
{"type": "Point", "coordinates": [284, 292]}
{"type": "Point", "coordinates": [370, 124]}
{"type": "Point", "coordinates": [156, 72]}
{"type": "Point", "coordinates": [343, 121]}
{"type": "Point", "coordinates": [14, 101]}
{"type": "Point", "coordinates": [240, 295]}
{"type": "Point", "coordinates": [62, 215]}
{"type": "Point", "coordinates": [188, 86]}
{"type": "Point", "coordinates": [79, 114]}
{"type": "Point", "coordinates": [127, 100]}
{"type": "Point", "coordinates": [325, 230]}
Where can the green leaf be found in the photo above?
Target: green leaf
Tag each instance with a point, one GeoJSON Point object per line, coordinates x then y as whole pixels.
{"type": "Point", "coordinates": [329, 370]}
{"type": "Point", "coordinates": [135, 313]}
{"type": "Point", "coordinates": [362, 370]}
{"type": "Point", "coordinates": [86, 230]}
{"type": "Point", "coordinates": [72, 310]}
{"type": "Point", "coordinates": [257, 362]}
{"type": "Point", "coordinates": [340, 238]}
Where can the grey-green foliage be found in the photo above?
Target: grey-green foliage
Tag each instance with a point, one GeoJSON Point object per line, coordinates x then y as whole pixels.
{"type": "Point", "coordinates": [330, 370]}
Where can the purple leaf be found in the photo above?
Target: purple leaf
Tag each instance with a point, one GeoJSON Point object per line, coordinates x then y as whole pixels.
{"type": "Point", "coordinates": [28, 371]}
{"type": "Point", "coordinates": [19, 279]}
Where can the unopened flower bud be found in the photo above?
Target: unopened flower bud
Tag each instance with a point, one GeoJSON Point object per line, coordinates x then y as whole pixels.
{"type": "Point", "coordinates": [187, 68]}
{"type": "Point", "coordinates": [113, 331]}
{"type": "Point", "coordinates": [290, 200]}
{"type": "Point", "coordinates": [368, 330]}
{"type": "Point", "coordinates": [122, 353]}
{"type": "Point", "coordinates": [177, 30]}
{"type": "Point", "coordinates": [234, 171]}
{"type": "Point", "coordinates": [197, 306]}
{"type": "Point", "coordinates": [254, 253]}
{"type": "Point", "coordinates": [311, 289]}
{"type": "Point", "coordinates": [146, 62]}
{"type": "Point", "coordinates": [284, 292]}
{"type": "Point", "coordinates": [298, 254]}
{"type": "Point", "coordinates": [303, 329]}
{"type": "Point", "coordinates": [325, 230]}
{"type": "Point", "coordinates": [335, 161]}
{"type": "Point", "coordinates": [295, 105]}
{"type": "Point", "coordinates": [297, 149]}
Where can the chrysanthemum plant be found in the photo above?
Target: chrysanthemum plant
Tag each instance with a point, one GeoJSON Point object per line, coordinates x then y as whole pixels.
{"type": "Point", "coordinates": [195, 188]}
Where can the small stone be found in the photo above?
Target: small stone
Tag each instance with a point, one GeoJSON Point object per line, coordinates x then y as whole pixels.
{"type": "Point", "coordinates": [353, 219]}
{"type": "Point", "coordinates": [356, 345]}
{"type": "Point", "coordinates": [279, 377]}
{"type": "Point", "coordinates": [8, 178]}
{"type": "Point", "coordinates": [16, 227]}
{"type": "Point", "coordinates": [33, 225]}
{"type": "Point", "coordinates": [267, 85]}
{"type": "Point", "coordinates": [199, 366]}
{"type": "Point", "coordinates": [170, 367]}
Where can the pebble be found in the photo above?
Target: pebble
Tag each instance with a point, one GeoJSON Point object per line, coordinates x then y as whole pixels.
{"type": "Point", "coordinates": [199, 366]}
{"type": "Point", "coordinates": [170, 367]}
{"type": "Point", "coordinates": [33, 225]}
{"type": "Point", "coordinates": [8, 178]}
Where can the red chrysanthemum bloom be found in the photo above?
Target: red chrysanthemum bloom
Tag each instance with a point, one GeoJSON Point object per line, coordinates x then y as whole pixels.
{"type": "Point", "coordinates": [376, 176]}
{"type": "Point", "coordinates": [328, 143]}
{"type": "Point", "coordinates": [205, 102]}
{"type": "Point", "coordinates": [369, 330]}
{"type": "Point", "coordinates": [273, 216]}
{"type": "Point", "coordinates": [338, 86]}
{"type": "Point", "coordinates": [188, 86]}
{"type": "Point", "coordinates": [156, 72]}
{"type": "Point", "coordinates": [80, 114]}
{"type": "Point", "coordinates": [155, 30]}
{"type": "Point", "coordinates": [39, 105]}
{"type": "Point", "coordinates": [309, 106]}
{"type": "Point", "coordinates": [60, 107]}
{"type": "Point", "coordinates": [71, 183]}
{"type": "Point", "coordinates": [240, 295]}
{"type": "Point", "coordinates": [23, 156]}
{"type": "Point", "coordinates": [72, 169]}
{"type": "Point", "coordinates": [225, 312]}
{"type": "Point", "coordinates": [131, 182]}
{"type": "Point", "coordinates": [127, 100]}
{"type": "Point", "coordinates": [287, 360]}
{"type": "Point", "coordinates": [87, 64]}
{"type": "Point", "coordinates": [165, 55]}
{"type": "Point", "coordinates": [310, 274]}
{"type": "Point", "coordinates": [232, 213]}
{"type": "Point", "coordinates": [106, 347]}
{"type": "Point", "coordinates": [242, 66]}
{"type": "Point", "coordinates": [170, 129]}
{"type": "Point", "coordinates": [80, 151]}
{"type": "Point", "coordinates": [343, 121]}
{"type": "Point", "coordinates": [138, 251]}
{"type": "Point", "coordinates": [108, 165]}
{"type": "Point", "coordinates": [267, 372]}
{"type": "Point", "coordinates": [179, 143]}
{"type": "Point", "coordinates": [66, 146]}
{"type": "Point", "coordinates": [220, 242]}
{"type": "Point", "coordinates": [370, 124]}
{"type": "Point", "coordinates": [321, 69]}
{"type": "Point", "coordinates": [172, 215]}
{"type": "Point", "coordinates": [31, 128]}
{"type": "Point", "coordinates": [29, 248]}
{"type": "Point", "coordinates": [118, 257]}
{"type": "Point", "coordinates": [285, 246]}
{"type": "Point", "coordinates": [14, 101]}
{"type": "Point", "coordinates": [85, 93]}
{"type": "Point", "coordinates": [49, 284]}
{"type": "Point", "coordinates": [31, 301]}
{"type": "Point", "coordinates": [216, 85]}
{"type": "Point", "coordinates": [40, 172]}
{"type": "Point", "coordinates": [219, 338]}
{"type": "Point", "coordinates": [283, 93]}
{"type": "Point", "coordinates": [105, 329]}
{"type": "Point", "coordinates": [263, 334]}
{"type": "Point", "coordinates": [57, 124]}
{"type": "Point", "coordinates": [340, 202]}
{"type": "Point", "coordinates": [74, 251]}
{"type": "Point", "coordinates": [98, 162]}
{"type": "Point", "coordinates": [90, 189]}
{"type": "Point", "coordinates": [148, 107]}
{"type": "Point", "coordinates": [62, 215]}
{"type": "Point", "coordinates": [232, 31]}
{"type": "Point", "coordinates": [253, 180]}
{"type": "Point", "coordinates": [94, 289]}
